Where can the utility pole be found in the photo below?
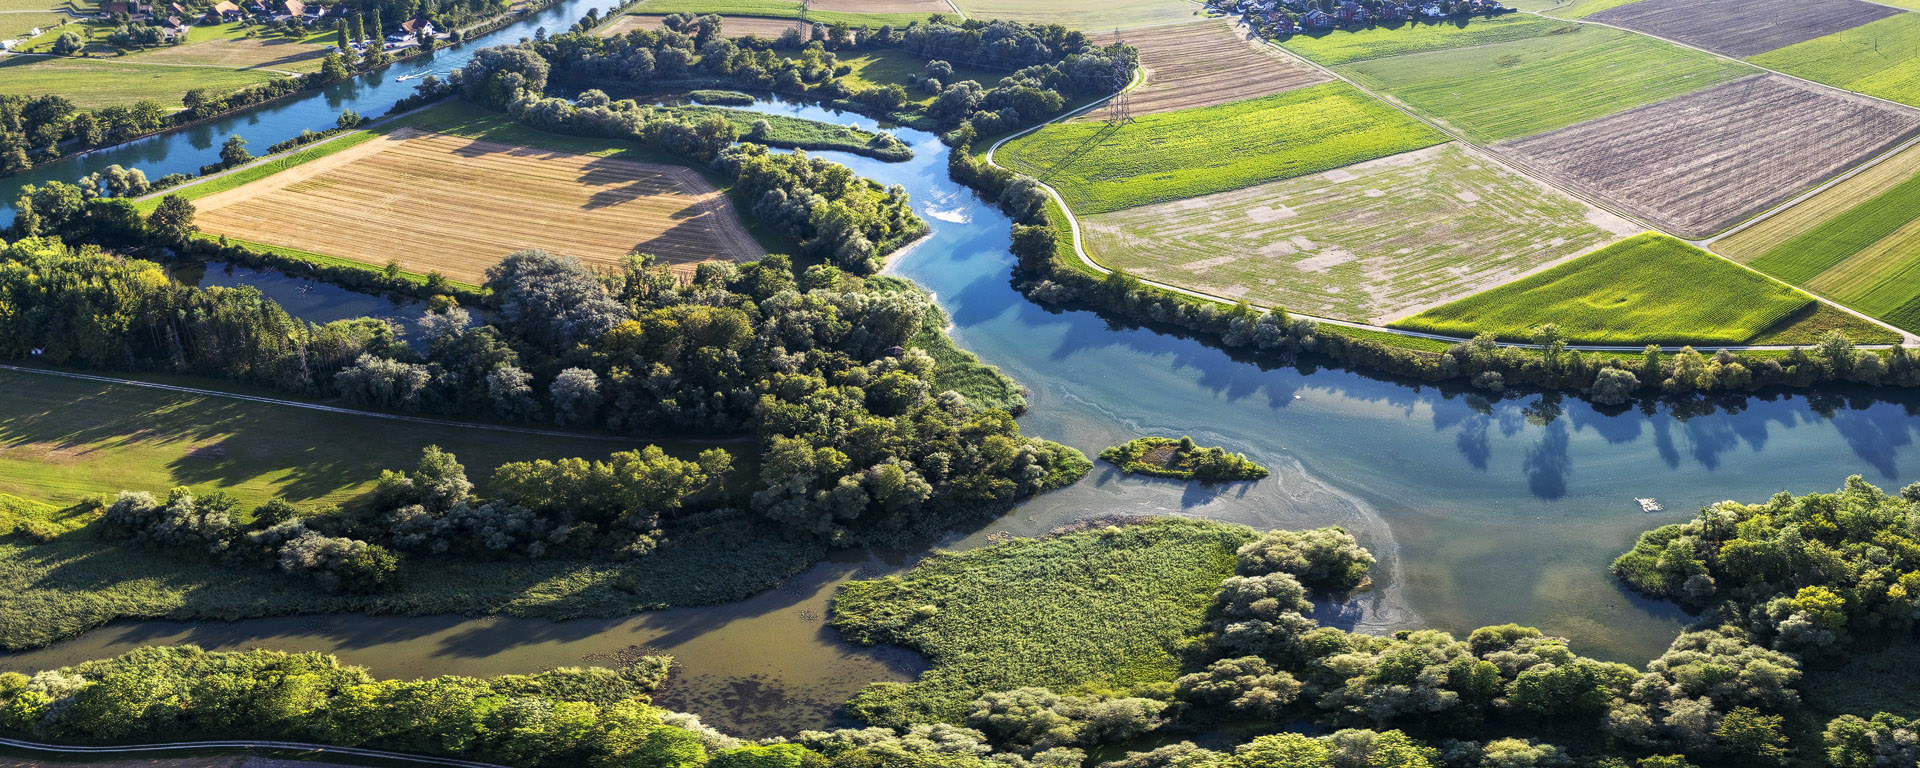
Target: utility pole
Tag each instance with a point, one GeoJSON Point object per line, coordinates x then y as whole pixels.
{"type": "Point", "coordinates": [1118, 110]}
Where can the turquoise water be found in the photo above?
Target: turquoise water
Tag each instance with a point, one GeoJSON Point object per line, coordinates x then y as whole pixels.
{"type": "Point", "coordinates": [1481, 511]}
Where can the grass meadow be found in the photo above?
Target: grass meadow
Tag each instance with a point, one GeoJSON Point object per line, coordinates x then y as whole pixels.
{"type": "Point", "coordinates": [1100, 609]}
{"type": "Point", "coordinates": [92, 84]}
{"type": "Point", "coordinates": [1576, 9]}
{"type": "Point", "coordinates": [1878, 59]}
{"type": "Point", "coordinates": [888, 66]}
{"type": "Point", "coordinates": [1342, 46]}
{"type": "Point", "coordinates": [1368, 242]}
{"type": "Point", "coordinates": [1524, 87]}
{"type": "Point", "coordinates": [1649, 288]}
{"type": "Point", "coordinates": [1100, 168]}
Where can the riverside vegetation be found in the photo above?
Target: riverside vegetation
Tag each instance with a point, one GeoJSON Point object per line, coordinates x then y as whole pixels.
{"type": "Point", "coordinates": [1116, 643]}
{"type": "Point", "coordinates": [1181, 459]}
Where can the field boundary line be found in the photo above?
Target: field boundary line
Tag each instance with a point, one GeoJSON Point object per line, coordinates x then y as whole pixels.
{"type": "Point", "coordinates": [135, 62]}
{"type": "Point", "coordinates": [295, 746]}
{"type": "Point", "coordinates": [1139, 78]}
{"type": "Point", "coordinates": [312, 406]}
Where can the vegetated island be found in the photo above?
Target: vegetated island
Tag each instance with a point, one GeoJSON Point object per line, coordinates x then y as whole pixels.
{"type": "Point", "coordinates": [1182, 459]}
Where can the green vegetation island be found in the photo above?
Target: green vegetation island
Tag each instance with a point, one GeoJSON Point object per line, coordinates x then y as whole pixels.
{"type": "Point", "coordinates": [1181, 459]}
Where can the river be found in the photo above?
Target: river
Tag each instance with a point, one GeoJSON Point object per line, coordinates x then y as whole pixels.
{"type": "Point", "coordinates": [1481, 511]}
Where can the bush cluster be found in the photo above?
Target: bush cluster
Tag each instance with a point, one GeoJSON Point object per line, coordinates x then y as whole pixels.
{"type": "Point", "coordinates": [1182, 459]}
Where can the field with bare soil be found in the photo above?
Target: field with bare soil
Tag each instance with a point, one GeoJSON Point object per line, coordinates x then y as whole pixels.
{"type": "Point", "coordinates": [1374, 241]}
{"type": "Point", "coordinates": [731, 26]}
{"type": "Point", "coordinates": [486, 200]}
{"type": "Point", "coordinates": [1699, 163]}
{"type": "Point", "coordinates": [1742, 28]}
{"type": "Point", "coordinates": [1206, 63]}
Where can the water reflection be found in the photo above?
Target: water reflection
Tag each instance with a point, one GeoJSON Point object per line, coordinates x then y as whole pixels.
{"type": "Point", "coordinates": [303, 298]}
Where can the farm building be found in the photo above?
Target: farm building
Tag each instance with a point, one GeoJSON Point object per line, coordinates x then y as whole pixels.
{"type": "Point", "coordinates": [224, 10]}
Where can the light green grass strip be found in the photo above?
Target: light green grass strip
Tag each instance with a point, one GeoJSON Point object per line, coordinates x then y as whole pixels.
{"type": "Point", "coordinates": [1879, 59]}
{"type": "Point", "coordinates": [260, 171]}
{"type": "Point", "coordinates": [779, 9]}
{"type": "Point", "coordinates": [1342, 46]}
{"type": "Point", "coordinates": [1816, 250]}
{"type": "Point", "coordinates": [1520, 88]}
{"type": "Point", "coordinates": [1100, 168]}
{"type": "Point", "coordinates": [1649, 288]}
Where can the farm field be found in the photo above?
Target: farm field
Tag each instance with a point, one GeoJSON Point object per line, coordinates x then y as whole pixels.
{"type": "Point", "coordinates": [1523, 87]}
{"type": "Point", "coordinates": [365, 203]}
{"type": "Point", "coordinates": [1742, 28]}
{"type": "Point", "coordinates": [1699, 163]}
{"type": "Point", "coordinates": [16, 25]}
{"type": "Point", "coordinates": [1101, 168]}
{"type": "Point", "coordinates": [92, 83]}
{"type": "Point", "coordinates": [1857, 243]}
{"type": "Point", "coordinates": [1649, 288]}
{"type": "Point", "coordinates": [896, 12]}
{"type": "Point", "coordinates": [1085, 15]}
{"type": "Point", "coordinates": [1566, 9]}
{"type": "Point", "coordinates": [1342, 46]}
{"type": "Point", "coordinates": [1184, 62]}
{"type": "Point", "coordinates": [731, 26]}
{"type": "Point", "coordinates": [227, 45]}
{"type": "Point", "coordinates": [1368, 242]}
{"type": "Point", "coordinates": [1879, 59]}
{"type": "Point", "coordinates": [64, 439]}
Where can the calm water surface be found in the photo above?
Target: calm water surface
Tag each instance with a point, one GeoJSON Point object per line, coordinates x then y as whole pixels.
{"type": "Point", "coordinates": [1481, 512]}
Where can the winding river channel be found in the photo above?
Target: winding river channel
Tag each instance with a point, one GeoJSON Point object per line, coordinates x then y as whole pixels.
{"type": "Point", "coordinates": [1481, 512]}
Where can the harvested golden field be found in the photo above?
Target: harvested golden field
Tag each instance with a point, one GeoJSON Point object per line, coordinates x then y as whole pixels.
{"type": "Point", "coordinates": [731, 26]}
{"type": "Point", "coordinates": [1375, 241]}
{"type": "Point", "coordinates": [1209, 62]}
{"type": "Point", "coordinates": [241, 53]}
{"type": "Point", "coordinates": [1696, 164]}
{"type": "Point", "coordinates": [438, 202]}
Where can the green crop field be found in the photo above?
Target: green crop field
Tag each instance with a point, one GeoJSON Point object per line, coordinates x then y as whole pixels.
{"type": "Point", "coordinates": [779, 9]}
{"type": "Point", "coordinates": [1088, 15]}
{"type": "Point", "coordinates": [1878, 59]}
{"type": "Point", "coordinates": [1101, 168]}
{"type": "Point", "coordinates": [1866, 257]}
{"type": "Point", "coordinates": [1649, 288]}
{"type": "Point", "coordinates": [1095, 609]}
{"type": "Point", "coordinates": [92, 83]}
{"type": "Point", "coordinates": [1343, 46]}
{"type": "Point", "coordinates": [1576, 9]}
{"type": "Point", "coordinates": [15, 26]}
{"type": "Point", "coordinates": [1523, 87]}
{"type": "Point", "coordinates": [1368, 242]}
{"type": "Point", "coordinates": [63, 439]}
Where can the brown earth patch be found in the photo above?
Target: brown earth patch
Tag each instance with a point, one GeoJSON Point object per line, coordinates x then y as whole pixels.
{"type": "Point", "coordinates": [731, 26]}
{"type": "Point", "coordinates": [1205, 63]}
{"type": "Point", "coordinates": [456, 205]}
{"type": "Point", "coordinates": [239, 53]}
{"type": "Point", "coordinates": [1742, 28]}
{"type": "Point", "coordinates": [1699, 163]}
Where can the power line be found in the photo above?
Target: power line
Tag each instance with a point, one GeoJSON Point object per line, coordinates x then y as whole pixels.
{"type": "Point", "coordinates": [1119, 110]}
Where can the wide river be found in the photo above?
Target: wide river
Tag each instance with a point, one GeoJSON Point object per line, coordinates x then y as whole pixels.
{"type": "Point", "coordinates": [1481, 512]}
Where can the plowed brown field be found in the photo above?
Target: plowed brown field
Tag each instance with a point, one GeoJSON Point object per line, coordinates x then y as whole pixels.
{"type": "Point", "coordinates": [731, 26]}
{"type": "Point", "coordinates": [1742, 28]}
{"type": "Point", "coordinates": [1699, 163]}
{"type": "Point", "coordinates": [1210, 62]}
{"type": "Point", "coordinates": [438, 202]}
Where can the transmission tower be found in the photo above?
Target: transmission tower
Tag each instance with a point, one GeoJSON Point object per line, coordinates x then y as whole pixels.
{"type": "Point", "coordinates": [1118, 109]}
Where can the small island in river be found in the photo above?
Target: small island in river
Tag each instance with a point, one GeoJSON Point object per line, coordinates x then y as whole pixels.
{"type": "Point", "coordinates": [1182, 459]}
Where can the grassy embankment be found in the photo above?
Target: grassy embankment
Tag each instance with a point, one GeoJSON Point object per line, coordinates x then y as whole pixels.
{"type": "Point", "coordinates": [776, 9]}
{"type": "Point", "coordinates": [1878, 59]}
{"type": "Point", "coordinates": [1519, 88]}
{"type": "Point", "coordinates": [1101, 168]}
{"type": "Point", "coordinates": [95, 83]}
{"type": "Point", "coordinates": [1102, 609]}
{"type": "Point", "coordinates": [1342, 46]}
{"type": "Point", "coordinates": [1646, 289]}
